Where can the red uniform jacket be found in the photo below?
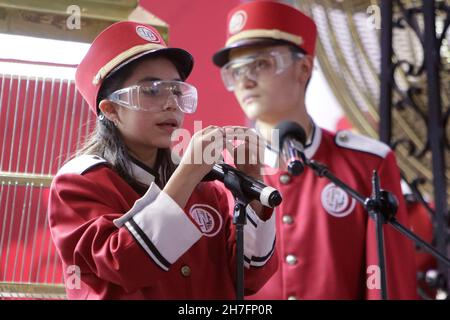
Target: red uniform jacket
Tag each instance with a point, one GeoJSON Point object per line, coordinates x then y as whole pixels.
{"type": "Point", "coordinates": [115, 244]}
{"type": "Point", "coordinates": [326, 241]}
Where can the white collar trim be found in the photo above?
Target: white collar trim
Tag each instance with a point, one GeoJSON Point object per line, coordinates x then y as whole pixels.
{"type": "Point", "coordinates": [140, 174]}
{"type": "Point", "coordinates": [271, 157]}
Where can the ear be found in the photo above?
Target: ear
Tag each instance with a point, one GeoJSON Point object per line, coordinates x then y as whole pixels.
{"type": "Point", "coordinates": [109, 109]}
{"type": "Point", "coordinates": [306, 66]}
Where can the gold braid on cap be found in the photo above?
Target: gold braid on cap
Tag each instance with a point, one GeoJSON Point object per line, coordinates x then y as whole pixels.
{"type": "Point", "coordinates": [264, 33]}
{"type": "Point", "coordinates": [103, 72]}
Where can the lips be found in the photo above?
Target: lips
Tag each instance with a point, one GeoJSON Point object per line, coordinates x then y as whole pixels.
{"type": "Point", "coordinates": [249, 98]}
{"type": "Point", "coordinates": [168, 126]}
{"type": "Point", "coordinates": [168, 123]}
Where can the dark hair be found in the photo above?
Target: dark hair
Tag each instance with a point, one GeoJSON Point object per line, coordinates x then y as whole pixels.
{"type": "Point", "coordinates": [107, 143]}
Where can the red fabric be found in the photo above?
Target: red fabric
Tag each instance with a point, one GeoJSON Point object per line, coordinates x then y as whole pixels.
{"type": "Point", "coordinates": [114, 266]}
{"type": "Point", "coordinates": [269, 15]}
{"type": "Point", "coordinates": [332, 252]}
{"type": "Point", "coordinates": [421, 224]}
{"type": "Point", "coordinates": [343, 124]}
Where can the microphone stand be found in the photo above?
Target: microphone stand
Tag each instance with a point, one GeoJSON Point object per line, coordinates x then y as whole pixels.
{"type": "Point", "coordinates": [233, 183]}
{"type": "Point", "coordinates": [382, 207]}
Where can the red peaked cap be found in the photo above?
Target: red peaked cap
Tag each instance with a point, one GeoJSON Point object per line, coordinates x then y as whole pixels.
{"type": "Point", "coordinates": [267, 23]}
{"type": "Point", "coordinates": [118, 45]}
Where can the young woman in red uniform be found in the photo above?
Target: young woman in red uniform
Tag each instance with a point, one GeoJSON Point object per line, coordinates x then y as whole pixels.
{"type": "Point", "coordinates": [127, 221]}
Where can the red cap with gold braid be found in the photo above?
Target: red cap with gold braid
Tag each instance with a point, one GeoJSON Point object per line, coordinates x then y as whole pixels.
{"type": "Point", "coordinates": [118, 45]}
{"type": "Point", "coordinates": [267, 22]}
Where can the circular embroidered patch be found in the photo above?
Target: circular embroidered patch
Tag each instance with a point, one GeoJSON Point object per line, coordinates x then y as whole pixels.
{"type": "Point", "coordinates": [147, 34]}
{"type": "Point", "coordinates": [336, 201]}
{"type": "Point", "coordinates": [207, 218]}
{"type": "Point", "coordinates": [237, 22]}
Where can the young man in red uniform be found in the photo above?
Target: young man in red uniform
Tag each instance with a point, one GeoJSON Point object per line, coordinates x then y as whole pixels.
{"type": "Point", "coordinates": [127, 221]}
{"type": "Point", "coordinates": [326, 241]}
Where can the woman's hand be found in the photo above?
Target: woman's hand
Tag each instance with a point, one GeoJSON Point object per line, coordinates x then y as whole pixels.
{"type": "Point", "coordinates": [204, 150]}
{"type": "Point", "coordinates": [247, 150]}
{"type": "Point", "coordinates": [248, 156]}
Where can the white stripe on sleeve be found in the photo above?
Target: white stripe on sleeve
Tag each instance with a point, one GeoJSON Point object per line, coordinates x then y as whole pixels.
{"type": "Point", "coordinates": [259, 238]}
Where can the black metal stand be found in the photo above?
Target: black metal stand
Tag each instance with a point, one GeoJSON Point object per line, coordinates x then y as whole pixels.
{"type": "Point", "coordinates": [232, 182]}
{"type": "Point", "coordinates": [382, 207]}
{"type": "Point", "coordinates": [374, 206]}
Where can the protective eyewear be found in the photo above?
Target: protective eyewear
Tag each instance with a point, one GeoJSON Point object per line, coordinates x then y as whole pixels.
{"type": "Point", "coordinates": [256, 67]}
{"type": "Point", "coordinates": [156, 95]}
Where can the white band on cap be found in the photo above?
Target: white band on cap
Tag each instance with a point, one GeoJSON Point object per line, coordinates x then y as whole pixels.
{"type": "Point", "coordinates": [264, 33]}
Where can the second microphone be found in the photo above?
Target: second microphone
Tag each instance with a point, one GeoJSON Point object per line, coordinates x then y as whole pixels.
{"type": "Point", "coordinates": [252, 188]}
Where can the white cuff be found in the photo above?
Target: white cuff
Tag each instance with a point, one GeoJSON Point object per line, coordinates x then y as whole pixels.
{"type": "Point", "coordinates": [150, 196]}
{"type": "Point", "coordinates": [259, 239]}
{"type": "Point", "coordinates": [161, 227]}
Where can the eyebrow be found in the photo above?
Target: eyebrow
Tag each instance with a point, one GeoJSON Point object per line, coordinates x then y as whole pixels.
{"type": "Point", "coordinates": [146, 79]}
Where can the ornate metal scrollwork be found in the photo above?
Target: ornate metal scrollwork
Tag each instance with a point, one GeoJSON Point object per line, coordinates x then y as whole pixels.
{"type": "Point", "coordinates": [416, 123]}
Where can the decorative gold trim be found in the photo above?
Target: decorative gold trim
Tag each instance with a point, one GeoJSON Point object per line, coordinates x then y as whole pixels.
{"type": "Point", "coordinates": [101, 74]}
{"type": "Point", "coordinates": [23, 179]}
{"type": "Point", "coordinates": [32, 290]}
{"type": "Point", "coordinates": [263, 33]}
{"type": "Point", "coordinates": [48, 18]}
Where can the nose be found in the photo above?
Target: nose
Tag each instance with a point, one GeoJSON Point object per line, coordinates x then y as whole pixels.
{"type": "Point", "coordinates": [171, 103]}
{"type": "Point", "coordinates": [246, 77]}
{"type": "Point", "coordinates": [246, 81]}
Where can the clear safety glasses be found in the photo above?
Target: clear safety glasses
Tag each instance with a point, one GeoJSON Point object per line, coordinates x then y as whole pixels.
{"type": "Point", "coordinates": [155, 95]}
{"type": "Point", "coordinates": [260, 66]}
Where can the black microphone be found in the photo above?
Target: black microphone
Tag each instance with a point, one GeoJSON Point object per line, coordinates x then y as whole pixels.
{"type": "Point", "coordinates": [292, 139]}
{"type": "Point", "coordinates": [251, 188]}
